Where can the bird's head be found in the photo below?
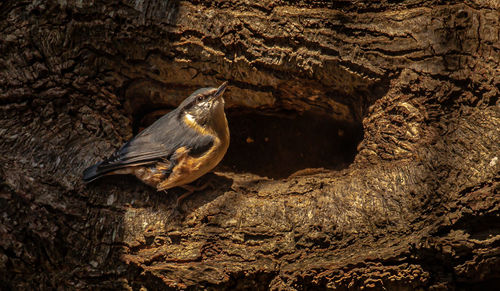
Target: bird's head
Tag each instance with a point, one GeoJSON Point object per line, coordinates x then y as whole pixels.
{"type": "Point", "coordinates": [204, 105]}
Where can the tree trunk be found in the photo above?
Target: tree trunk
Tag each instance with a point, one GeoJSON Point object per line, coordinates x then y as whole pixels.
{"type": "Point", "coordinates": [364, 144]}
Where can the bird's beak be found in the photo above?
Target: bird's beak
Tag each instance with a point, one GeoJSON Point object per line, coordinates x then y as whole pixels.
{"type": "Point", "coordinates": [220, 90]}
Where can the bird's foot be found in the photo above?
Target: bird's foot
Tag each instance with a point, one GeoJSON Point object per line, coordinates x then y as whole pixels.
{"type": "Point", "coordinates": [190, 189]}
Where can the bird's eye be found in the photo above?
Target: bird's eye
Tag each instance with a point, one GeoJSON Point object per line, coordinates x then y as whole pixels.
{"type": "Point", "coordinates": [200, 98]}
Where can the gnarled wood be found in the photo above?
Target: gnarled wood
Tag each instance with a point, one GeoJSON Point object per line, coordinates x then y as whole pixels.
{"type": "Point", "coordinates": [407, 98]}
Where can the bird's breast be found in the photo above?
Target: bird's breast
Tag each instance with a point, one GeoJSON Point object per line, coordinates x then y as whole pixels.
{"type": "Point", "coordinates": [189, 168]}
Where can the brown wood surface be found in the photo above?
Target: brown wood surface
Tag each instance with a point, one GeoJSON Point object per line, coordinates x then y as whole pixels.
{"type": "Point", "coordinates": [364, 144]}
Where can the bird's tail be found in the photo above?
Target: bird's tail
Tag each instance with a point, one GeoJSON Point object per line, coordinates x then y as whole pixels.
{"type": "Point", "coordinates": [104, 168]}
{"type": "Point", "coordinates": [92, 173]}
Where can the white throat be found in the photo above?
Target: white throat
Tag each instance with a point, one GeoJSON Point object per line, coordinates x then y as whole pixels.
{"type": "Point", "coordinates": [190, 117]}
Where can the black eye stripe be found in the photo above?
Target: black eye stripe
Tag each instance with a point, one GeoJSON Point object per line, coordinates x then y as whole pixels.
{"type": "Point", "coordinates": [197, 99]}
{"type": "Point", "coordinates": [202, 97]}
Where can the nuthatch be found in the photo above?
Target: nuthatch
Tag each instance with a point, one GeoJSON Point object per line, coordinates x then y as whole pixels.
{"type": "Point", "coordinates": [178, 148]}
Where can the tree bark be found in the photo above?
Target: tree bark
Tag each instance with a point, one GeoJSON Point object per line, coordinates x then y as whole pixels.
{"type": "Point", "coordinates": [364, 144]}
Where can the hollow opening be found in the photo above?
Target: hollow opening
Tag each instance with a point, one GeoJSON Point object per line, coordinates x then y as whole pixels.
{"type": "Point", "coordinates": [278, 145]}
{"type": "Point", "coordinates": [292, 135]}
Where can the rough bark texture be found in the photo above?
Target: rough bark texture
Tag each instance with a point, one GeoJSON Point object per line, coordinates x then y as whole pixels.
{"type": "Point", "coordinates": [376, 123]}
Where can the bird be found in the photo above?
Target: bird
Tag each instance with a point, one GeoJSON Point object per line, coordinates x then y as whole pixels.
{"type": "Point", "coordinates": [177, 149]}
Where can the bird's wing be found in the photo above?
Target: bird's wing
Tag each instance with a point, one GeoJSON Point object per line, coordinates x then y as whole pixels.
{"type": "Point", "coordinates": [131, 154]}
{"type": "Point", "coordinates": [135, 152]}
{"type": "Point", "coordinates": [158, 142]}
